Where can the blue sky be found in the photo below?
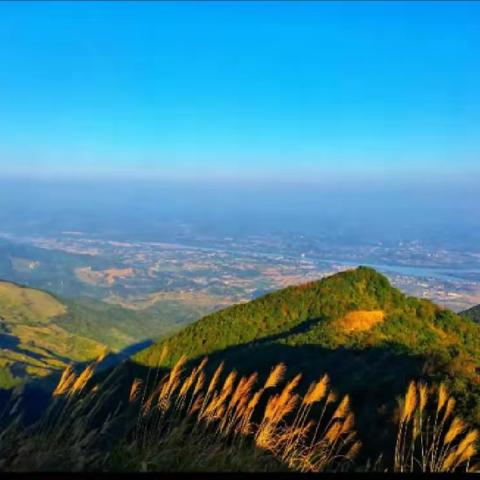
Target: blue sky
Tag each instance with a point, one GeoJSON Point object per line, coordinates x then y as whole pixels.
{"type": "Point", "coordinates": [283, 90]}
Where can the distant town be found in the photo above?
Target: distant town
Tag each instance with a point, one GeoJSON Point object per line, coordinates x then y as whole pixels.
{"type": "Point", "coordinates": [222, 271]}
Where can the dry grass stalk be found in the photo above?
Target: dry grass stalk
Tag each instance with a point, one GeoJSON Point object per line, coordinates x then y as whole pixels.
{"type": "Point", "coordinates": [66, 381]}
{"type": "Point", "coordinates": [276, 376]}
{"type": "Point", "coordinates": [430, 438]}
{"type": "Point", "coordinates": [82, 380]}
{"type": "Point", "coordinates": [226, 410]}
{"type": "Point", "coordinates": [135, 390]}
{"type": "Point", "coordinates": [181, 406]}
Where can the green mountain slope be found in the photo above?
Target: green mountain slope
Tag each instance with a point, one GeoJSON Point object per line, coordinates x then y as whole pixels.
{"type": "Point", "coordinates": [369, 337]}
{"type": "Point", "coordinates": [472, 313]}
{"type": "Point", "coordinates": [312, 313]}
{"type": "Point", "coordinates": [118, 327]}
{"type": "Point", "coordinates": [31, 342]}
{"type": "Point", "coordinates": [41, 333]}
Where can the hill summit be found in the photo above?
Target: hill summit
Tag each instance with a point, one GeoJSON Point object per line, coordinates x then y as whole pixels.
{"type": "Point", "coordinates": [368, 336]}
{"type": "Point", "coordinates": [355, 308]}
{"type": "Point", "coordinates": [292, 311]}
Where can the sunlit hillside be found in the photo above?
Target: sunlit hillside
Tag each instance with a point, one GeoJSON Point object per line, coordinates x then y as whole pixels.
{"type": "Point", "coordinates": [40, 334]}
{"type": "Point", "coordinates": [32, 344]}
{"type": "Point", "coordinates": [369, 337]}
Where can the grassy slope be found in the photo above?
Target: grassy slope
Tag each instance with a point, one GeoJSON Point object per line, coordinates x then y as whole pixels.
{"type": "Point", "coordinates": [300, 326]}
{"type": "Point", "coordinates": [414, 325]}
{"type": "Point", "coordinates": [118, 327]}
{"type": "Point", "coordinates": [28, 304]}
{"type": "Point", "coordinates": [31, 340]}
{"type": "Point", "coordinates": [40, 333]}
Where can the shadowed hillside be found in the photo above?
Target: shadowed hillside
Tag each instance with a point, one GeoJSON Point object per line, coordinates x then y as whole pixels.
{"type": "Point", "coordinates": [472, 313]}
{"type": "Point", "coordinates": [369, 337]}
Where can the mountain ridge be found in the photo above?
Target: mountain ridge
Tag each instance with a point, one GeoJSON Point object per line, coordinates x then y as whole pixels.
{"type": "Point", "coordinates": [329, 299]}
{"type": "Point", "coordinates": [308, 328]}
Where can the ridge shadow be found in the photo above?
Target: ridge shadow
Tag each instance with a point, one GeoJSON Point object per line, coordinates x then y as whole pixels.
{"type": "Point", "coordinates": [373, 377]}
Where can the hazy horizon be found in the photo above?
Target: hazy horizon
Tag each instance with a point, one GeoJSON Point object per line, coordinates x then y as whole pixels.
{"type": "Point", "coordinates": [356, 214]}
{"type": "Point", "coordinates": [354, 122]}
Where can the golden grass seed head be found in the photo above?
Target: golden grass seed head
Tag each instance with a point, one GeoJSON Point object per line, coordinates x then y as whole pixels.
{"type": "Point", "coordinates": [82, 379]}
{"type": "Point", "coordinates": [422, 396]}
{"type": "Point", "coordinates": [353, 450]}
{"type": "Point", "coordinates": [457, 427]}
{"type": "Point", "coordinates": [442, 396]}
{"type": "Point", "coordinates": [410, 402]}
{"type": "Point", "coordinates": [318, 391]}
{"type": "Point", "coordinates": [276, 376]}
{"type": "Point", "coordinates": [343, 408]}
{"type": "Point", "coordinates": [135, 390]}
{"type": "Point", "coordinates": [449, 408]}
{"type": "Point", "coordinates": [214, 380]}
{"type": "Point", "coordinates": [66, 381]}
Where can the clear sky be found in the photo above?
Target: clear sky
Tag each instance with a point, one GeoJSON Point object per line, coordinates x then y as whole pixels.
{"type": "Point", "coordinates": [291, 90]}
